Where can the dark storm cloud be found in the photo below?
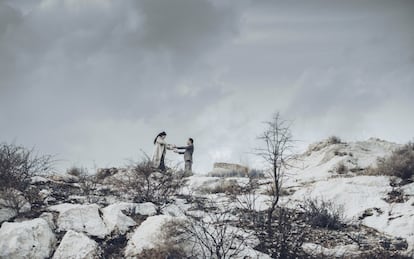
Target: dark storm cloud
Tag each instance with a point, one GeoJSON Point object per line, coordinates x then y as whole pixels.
{"type": "Point", "coordinates": [110, 55]}
{"type": "Point", "coordinates": [95, 80]}
{"type": "Point", "coordinates": [63, 62]}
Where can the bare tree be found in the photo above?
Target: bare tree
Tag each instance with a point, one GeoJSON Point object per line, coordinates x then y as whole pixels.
{"type": "Point", "coordinates": [277, 153]}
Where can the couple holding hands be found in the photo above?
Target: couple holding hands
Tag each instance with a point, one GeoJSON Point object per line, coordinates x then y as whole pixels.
{"type": "Point", "coordinates": [161, 146]}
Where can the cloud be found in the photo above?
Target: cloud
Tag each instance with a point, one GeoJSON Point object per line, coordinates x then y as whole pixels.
{"type": "Point", "coordinates": [67, 62]}
{"type": "Point", "coordinates": [96, 80]}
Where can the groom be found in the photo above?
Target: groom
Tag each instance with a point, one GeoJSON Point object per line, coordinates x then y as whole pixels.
{"type": "Point", "coordinates": [188, 154]}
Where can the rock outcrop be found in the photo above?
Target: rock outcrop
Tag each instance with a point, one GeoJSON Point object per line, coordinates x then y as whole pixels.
{"type": "Point", "coordinates": [81, 218]}
{"type": "Point", "coordinates": [76, 245]}
{"type": "Point", "coordinates": [28, 239]}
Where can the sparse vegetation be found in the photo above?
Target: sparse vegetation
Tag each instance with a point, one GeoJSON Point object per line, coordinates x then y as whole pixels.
{"type": "Point", "coordinates": [323, 214]}
{"type": "Point", "coordinates": [289, 238]}
{"type": "Point", "coordinates": [76, 171]}
{"type": "Point", "coordinates": [227, 186]}
{"type": "Point", "coordinates": [341, 168]}
{"type": "Point", "coordinates": [145, 184]}
{"type": "Point", "coordinates": [256, 173]}
{"type": "Point", "coordinates": [227, 174]}
{"type": "Point", "coordinates": [399, 164]}
{"type": "Point", "coordinates": [212, 235]}
{"type": "Point", "coordinates": [334, 140]}
{"type": "Point", "coordinates": [17, 166]}
{"type": "Point", "coordinates": [396, 195]}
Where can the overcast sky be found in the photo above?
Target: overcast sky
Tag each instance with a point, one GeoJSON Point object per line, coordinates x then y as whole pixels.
{"type": "Point", "coordinates": [93, 81]}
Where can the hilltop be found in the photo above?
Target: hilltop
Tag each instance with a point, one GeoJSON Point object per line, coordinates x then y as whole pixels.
{"type": "Point", "coordinates": [335, 202]}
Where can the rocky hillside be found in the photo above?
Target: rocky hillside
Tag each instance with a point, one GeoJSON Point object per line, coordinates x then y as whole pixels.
{"type": "Point", "coordinates": [334, 203]}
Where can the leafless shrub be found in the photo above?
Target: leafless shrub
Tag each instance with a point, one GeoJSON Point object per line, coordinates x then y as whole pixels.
{"type": "Point", "coordinates": [103, 173]}
{"type": "Point", "coordinates": [213, 235]}
{"type": "Point", "coordinates": [289, 236]}
{"type": "Point", "coordinates": [341, 168]}
{"type": "Point", "coordinates": [334, 140]}
{"type": "Point", "coordinates": [18, 165]}
{"type": "Point", "coordinates": [87, 182]}
{"type": "Point", "coordinates": [246, 201]}
{"type": "Point", "coordinates": [324, 214]}
{"type": "Point", "coordinates": [396, 195]}
{"type": "Point", "coordinates": [12, 199]}
{"type": "Point", "coordinates": [75, 171]}
{"type": "Point", "coordinates": [148, 185]}
{"type": "Point", "coordinates": [399, 164]}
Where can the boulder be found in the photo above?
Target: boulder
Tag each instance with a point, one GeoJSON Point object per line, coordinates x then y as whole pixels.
{"type": "Point", "coordinates": [76, 245]}
{"type": "Point", "coordinates": [115, 219]}
{"type": "Point", "coordinates": [28, 239]}
{"type": "Point", "coordinates": [146, 235]}
{"type": "Point", "coordinates": [146, 209]}
{"type": "Point", "coordinates": [81, 218]}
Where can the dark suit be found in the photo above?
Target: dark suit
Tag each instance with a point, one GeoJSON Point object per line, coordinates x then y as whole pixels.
{"type": "Point", "coordinates": [188, 156]}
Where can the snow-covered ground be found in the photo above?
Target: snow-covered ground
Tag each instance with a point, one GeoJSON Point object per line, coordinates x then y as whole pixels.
{"type": "Point", "coordinates": [314, 174]}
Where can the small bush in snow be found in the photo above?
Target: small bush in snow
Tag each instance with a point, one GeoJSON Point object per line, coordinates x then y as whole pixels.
{"type": "Point", "coordinates": [399, 164]}
{"type": "Point", "coordinates": [322, 213]}
{"type": "Point", "coordinates": [341, 168]}
{"type": "Point", "coordinates": [76, 171]}
{"type": "Point", "coordinates": [334, 140]}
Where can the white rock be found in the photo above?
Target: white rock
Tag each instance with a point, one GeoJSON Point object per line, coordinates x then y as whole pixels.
{"type": "Point", "coordinates": [28, 239]}
{"type": "Point", "coordinates": [44, 193]}
{"type": "Point", "coordinates": [146, 235]}
{"type": "Point", "coordinates": [65, 178]}
{"type": "Point", "coordinates": [39, 179]}
{"type": "Point", "coordinates": [49, 219]}
{"type": "Point", "coordinates": [115, 220]}
{"type": "Point", "coordinates": [80, 218]}
{"type": "Point", "coordinates": [173, 210]}
{"type": "Point", "coordinates": [147, 208]}
{"type": "Point", "coordinates": [76, 246]}
{"type": "Point", "coordinates": [6, 214]}
{"type": "Point", "coordinates": [335, 252]}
